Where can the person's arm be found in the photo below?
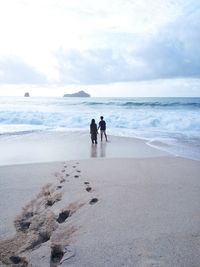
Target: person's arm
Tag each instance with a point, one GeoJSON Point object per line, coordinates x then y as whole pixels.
{"type": "Point", "coordinates": [99, 126]}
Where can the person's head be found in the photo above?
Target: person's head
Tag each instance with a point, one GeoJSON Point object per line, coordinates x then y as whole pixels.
{"type": "Point", "coordinates": [92, 121]}
{"type": "Point", "coordinates": [101, 117]}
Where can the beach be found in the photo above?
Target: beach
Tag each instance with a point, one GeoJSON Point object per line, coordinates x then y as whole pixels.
{"type": "Point", "coordinates": [120, 203]}
{"type": "Point", "coordinates": [71, 74]}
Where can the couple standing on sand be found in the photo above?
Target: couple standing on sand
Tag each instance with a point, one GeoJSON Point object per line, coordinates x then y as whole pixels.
{"type": "Point", "coordinates": [94, 130]}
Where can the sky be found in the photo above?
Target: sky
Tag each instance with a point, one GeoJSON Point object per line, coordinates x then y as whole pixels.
{"type": "Point", "coordinates": [105, 47]}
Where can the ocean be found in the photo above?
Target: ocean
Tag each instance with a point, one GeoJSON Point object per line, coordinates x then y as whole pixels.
{"type": "Point", "coordinates": [171, 124]}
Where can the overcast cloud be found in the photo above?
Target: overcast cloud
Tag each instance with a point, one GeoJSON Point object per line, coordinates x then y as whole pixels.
{"type": "Point", "coordinates": [14, 71]}
{"type": "Point", "coordinates": [96, 42]}
{"type": "Point", "coordinates": [173, 51]}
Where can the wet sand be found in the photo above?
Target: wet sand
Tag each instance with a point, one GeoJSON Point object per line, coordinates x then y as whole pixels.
{"type": "Point", "coordinates": [102, 211]}
{"type": "Point", "coordinates": [59, 146]}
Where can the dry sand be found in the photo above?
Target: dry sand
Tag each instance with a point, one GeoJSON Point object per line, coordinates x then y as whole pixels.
{"type": "Point", "coordinates": [102, 212]}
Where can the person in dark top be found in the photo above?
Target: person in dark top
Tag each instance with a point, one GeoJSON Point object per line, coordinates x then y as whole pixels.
{"type": "Point", "coordinates": [102, 126]}
{"type": "Point", "coordinates": [93, 131]}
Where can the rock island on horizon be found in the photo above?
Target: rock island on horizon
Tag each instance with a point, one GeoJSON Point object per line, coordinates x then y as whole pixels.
{"type": "Point", "coordinates": [78, 94]}
{"type": "Point", "coordinates": [27, 94]}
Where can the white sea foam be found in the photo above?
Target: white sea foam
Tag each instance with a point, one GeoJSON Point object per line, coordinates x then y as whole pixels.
{"type": "Point", "coordinates": [151, 118]}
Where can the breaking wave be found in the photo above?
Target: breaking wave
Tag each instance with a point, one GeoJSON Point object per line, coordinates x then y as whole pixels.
{"type": "Point", "coordinates": [147, 117]}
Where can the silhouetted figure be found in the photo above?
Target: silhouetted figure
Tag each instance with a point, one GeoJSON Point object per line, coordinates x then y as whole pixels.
{"type": "Point", "coordinates": [102, 126]}
{"type": "Point", "coordinates": [93, 131]}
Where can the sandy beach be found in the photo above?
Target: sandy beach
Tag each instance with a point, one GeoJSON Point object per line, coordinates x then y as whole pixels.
{"type": "Point", "coordinates": [122, 203]}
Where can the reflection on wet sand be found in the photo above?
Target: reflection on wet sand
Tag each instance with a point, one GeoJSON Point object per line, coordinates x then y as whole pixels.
{"type": "Point", "coordinates": [103, 150]}
{"type": "Point", "coordinates": [94, 151]}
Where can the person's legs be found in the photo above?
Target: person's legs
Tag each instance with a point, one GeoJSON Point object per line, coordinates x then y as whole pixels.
{"type": "Point", "coordinates": [105, 136]}
{"type": "Point", "coordinates": [103, 132]}
{"type": "Point", "coordinates": [95, 138]}
{"type": "Point", "coordinates": [92, 139]}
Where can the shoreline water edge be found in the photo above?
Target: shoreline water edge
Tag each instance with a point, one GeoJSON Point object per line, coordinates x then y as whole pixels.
{"type": "Point", "coordinates": [52, 147]}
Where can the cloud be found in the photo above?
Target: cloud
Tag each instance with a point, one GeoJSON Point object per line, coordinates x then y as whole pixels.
{"type": "Point", "coordinates": [173, 51]}
{"type": "Point", "coordinates": [101, 42]}
{"type": "Point", "coordinates": [14, 71]}
{"type": "Point", "coordinates": [99, 66]}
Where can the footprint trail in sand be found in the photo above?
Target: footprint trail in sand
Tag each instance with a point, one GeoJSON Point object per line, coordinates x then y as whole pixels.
{"type": "Point", "coordinates": [38, 223]}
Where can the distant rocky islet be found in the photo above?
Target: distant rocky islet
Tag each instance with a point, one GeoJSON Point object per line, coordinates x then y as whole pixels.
{"type": "Point", "coordinates": [78, 94]}
{"type": "Point", "coordinates": [26, 94]}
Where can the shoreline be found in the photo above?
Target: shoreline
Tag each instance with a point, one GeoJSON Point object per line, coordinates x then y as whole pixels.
{"type": "Point", "coordinates": [60, 146]}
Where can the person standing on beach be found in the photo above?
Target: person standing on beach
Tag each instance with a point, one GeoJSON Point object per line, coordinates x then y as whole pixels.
{"type": "Point", "coordinates": [102, 126]}
{"type": "Point", "coordinates": [93, 131]}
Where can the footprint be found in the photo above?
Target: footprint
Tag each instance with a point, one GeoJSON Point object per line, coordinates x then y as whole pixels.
{"type": "Point", "coordinates": [76, 176]}
{"type": "Point", "coordinates": [93, 201]}
{"type": "Point", "coordinates": [19, 261]}
{"type": "Point", "coordinates": [88, 189]}
{"type": "Point", "coordinates": [78, 170]}
{"type": "Point", "coordinates": [56, 255]}
{"type": "Point", "coordinates": [23, 223]}
{"type": "Point", "coordinates": [59, 187]}
{"type": "Point", "coordinates": [62, 180]}
{"type": "Point", "coordinates": [47, 193]}
{"type": "Point", "coordinates": [63, 170]}
{"type": "Point", "coordinates": [67, 175]}
{"type": "Point", "coordinates": [49, 203]}
{"type": "Point", "coordinates": [53, 199]}
{"type": "Point", "coordinates": [63, 216]}
{"type": "Point", "coordinates": [86, 183]}
{"type": "Point", "coordinates": [40, 238]}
